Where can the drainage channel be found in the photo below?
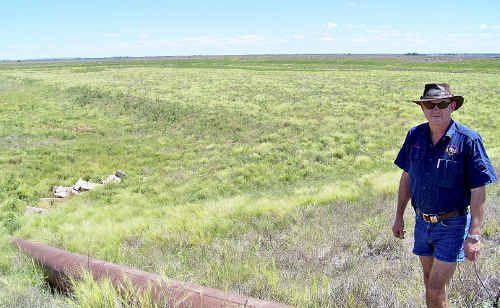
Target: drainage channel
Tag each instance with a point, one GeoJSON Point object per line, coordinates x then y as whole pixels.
{"type": "Point", "coordinates": [62, 265]}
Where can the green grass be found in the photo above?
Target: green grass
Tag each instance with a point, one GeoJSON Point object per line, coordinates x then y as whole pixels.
{"type": "Point", "coordinates": [267, 177]}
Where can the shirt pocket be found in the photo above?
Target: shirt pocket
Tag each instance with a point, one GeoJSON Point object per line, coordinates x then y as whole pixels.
{"type": "Point", "coordinates": [450, 173]}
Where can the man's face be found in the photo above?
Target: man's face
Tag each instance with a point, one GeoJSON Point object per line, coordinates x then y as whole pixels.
{"type": "Point", "coordinates": [436, 115]}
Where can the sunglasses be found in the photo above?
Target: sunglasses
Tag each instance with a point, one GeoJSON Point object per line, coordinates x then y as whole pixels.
{"type": "Point", "coordinates": [430, 105]}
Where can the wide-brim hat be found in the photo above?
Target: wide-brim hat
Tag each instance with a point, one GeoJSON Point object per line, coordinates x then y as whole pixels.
{"type": "Point", "coordinates": [435, 91]}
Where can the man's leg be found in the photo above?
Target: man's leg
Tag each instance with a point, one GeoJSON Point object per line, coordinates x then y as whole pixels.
{"type": "Point", "coordinates": [439, 277]}
{"type": "Point", "coordinates": [426, 262]}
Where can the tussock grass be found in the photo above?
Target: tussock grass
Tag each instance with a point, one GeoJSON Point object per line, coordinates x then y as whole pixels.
{"type": "Point", "coordinates": [21, 282]}
{"type": "Point", "coordinates": [89, 293]}
{"type": "Point", "coordinates": [262, 177]}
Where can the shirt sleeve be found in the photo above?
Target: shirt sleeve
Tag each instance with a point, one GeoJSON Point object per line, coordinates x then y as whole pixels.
{"type": "Point", "coordinates": [403, 158]}
{"type": "Point", "coordinates": [478, 167]}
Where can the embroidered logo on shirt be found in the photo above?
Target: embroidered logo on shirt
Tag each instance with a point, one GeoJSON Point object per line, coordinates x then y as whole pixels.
{"type": "Point", "coordinates": [452, 150]}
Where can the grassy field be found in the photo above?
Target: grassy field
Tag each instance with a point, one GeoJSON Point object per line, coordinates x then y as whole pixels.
{"type": "Point", "coordinates": [269, 177]}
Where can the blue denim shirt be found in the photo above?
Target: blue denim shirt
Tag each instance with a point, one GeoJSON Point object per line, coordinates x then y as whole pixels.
{"type": "Point", "coordinates": [442, 175]}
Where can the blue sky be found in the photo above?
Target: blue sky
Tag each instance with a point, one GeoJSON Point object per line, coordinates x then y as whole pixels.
{"type": "Point", "coordinates": [48, 29]}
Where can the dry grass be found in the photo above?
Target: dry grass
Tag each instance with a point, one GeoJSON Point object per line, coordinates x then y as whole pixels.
{"type": "Point", "coordinates": [335, 255]}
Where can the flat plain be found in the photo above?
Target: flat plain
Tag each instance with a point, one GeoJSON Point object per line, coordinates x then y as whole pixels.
{"type": "Point", "coordinates": [271, 177]}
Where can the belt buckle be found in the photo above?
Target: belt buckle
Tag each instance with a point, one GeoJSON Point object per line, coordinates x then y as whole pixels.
{"type": "Point", "coordinates": [433, 219]}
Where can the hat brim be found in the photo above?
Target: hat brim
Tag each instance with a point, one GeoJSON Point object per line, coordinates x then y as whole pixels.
{"type": "Point", "coordinates": [456, 98]}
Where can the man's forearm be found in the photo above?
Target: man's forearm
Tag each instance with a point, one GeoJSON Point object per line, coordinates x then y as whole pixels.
{"type": "Point", "coordinates": [403, 194]}
{"type": "Point", "coordinates": [478, 197]}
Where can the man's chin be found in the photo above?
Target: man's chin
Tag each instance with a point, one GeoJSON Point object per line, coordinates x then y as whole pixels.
{"type": "Point", "coordinates": [436, 120]}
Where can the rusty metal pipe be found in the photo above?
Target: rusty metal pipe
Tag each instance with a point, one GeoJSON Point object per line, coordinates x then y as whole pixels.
{"type": "Point", "coordinates": [61, 265]}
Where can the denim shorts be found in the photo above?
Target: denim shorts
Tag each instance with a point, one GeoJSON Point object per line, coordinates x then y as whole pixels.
{"type": "Point", "coordinates": [443, 240]}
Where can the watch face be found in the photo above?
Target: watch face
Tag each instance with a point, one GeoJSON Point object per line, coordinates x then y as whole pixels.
{"type": "Point", "coordinates": [475, 238]}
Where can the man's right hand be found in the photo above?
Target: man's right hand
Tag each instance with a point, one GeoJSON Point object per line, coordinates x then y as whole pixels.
{"type": "Point", "coordinates": [398, 228]}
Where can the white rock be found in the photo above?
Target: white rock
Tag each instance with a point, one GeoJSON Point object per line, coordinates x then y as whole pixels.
{"type": "Point", "coordinates": [62, 192]}
{"type": "Point", "coordinates": [82, 185]}
{"type": "Point", "coordinates": [120, 174]}
{"type": "Point", "coordinates": [111, 179]}
{"type": "Point", "coordinates": [30, 210]}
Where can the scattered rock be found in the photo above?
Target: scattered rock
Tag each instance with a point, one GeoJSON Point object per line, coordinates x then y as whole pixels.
{"type": "Point", "coordinates": [82, 185]}
{"type": "Point", "coordinates": [120, 174]}
{"type": "Point", "coordinates": [114, 178]}
{"type": "Point", "coordinates": [111, 179]}
{"type": "Point", "coordinates": [63, 192]}
{"type": "Point", "coordinates": [30, 210]}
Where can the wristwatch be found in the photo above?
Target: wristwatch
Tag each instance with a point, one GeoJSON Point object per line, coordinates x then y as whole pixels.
{"type": "Point", "coordinates": [475, 237]}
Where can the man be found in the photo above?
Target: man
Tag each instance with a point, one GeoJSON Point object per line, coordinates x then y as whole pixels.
{"type": "Point", "coordinates": [445, 170]}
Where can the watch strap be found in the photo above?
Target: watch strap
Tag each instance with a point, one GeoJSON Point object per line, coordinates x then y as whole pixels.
{"type": "Point", "coordinates": [475, 237]}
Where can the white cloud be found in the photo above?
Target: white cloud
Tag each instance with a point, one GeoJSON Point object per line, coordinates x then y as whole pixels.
{"type": "Point", "coordinates": [249, 37]}
{"type": "Point", "coordinates": [331, 25]}
{"type": "Point", "coordinates": [221, 40]}
{"type": "Point", "coordinates": [358, 40]}
{"type": "Point", "coordinates": [461, 35]}
{"type": "Point", "coordinates": [489, 27]}
{"type": "Point", "coordinates": [388, 35]}
{"type": "Point", "coordinates": [330, 37]}
{"type": "Point", "coordinates": [413, 39]}
{"type": "Point", "coordinates": [111, 34]}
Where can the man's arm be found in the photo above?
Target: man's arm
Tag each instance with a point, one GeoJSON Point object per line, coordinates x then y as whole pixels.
{"type": "Point", "coordinates": [478, 197]}
{"type": "Point", "coordinates": [403, 198]}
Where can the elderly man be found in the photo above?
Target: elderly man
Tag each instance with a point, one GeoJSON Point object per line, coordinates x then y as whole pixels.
{"type": "Point", "coordinates": [445, 170]}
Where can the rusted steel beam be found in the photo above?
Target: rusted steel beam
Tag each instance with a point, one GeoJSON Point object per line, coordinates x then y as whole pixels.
{"type": "Point", "coordinates": [61, 265]}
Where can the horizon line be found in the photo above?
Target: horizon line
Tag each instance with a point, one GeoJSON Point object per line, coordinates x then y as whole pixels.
{"type": "Point", "coordinates": [61, 59]}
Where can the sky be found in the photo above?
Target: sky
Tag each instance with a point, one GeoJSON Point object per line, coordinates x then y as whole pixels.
{"type": "Point", "coordinates": [66, 29]}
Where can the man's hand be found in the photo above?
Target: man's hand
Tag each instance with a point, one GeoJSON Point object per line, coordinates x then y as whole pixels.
{"type": "Point", "coordinates": [398, 228]}
{"type": "Point", "coordinates": [471, 246]}
{"type": "Point", "coordinates": [472, 249]}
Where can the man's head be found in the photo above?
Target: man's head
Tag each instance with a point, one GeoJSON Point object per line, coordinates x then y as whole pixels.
{"type": "Point", "coordinates": [438, 103]}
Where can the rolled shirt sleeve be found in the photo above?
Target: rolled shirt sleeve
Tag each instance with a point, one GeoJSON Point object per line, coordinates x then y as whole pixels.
{"type": "Point", "coordinates": [403, 158]}
{"type": "Point", "coordinates": [478, 167]}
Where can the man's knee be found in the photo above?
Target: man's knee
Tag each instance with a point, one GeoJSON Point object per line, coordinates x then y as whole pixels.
{"type": "Point", "coordinates": [436, 294]}
{"type": "Point", "coordinates": [426, 279]}
{"type": "Point", "coordinates": [436, 289]}
{"type": "Point", "coordinates": [437, 284]}
{"type": "Point", "coordinates": [426, 276]}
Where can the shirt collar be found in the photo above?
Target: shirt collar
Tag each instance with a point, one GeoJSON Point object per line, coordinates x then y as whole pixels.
{"type": "Point", "coordinates": [451, 129]}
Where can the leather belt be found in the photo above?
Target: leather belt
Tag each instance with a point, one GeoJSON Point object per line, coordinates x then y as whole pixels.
{"type": "Point", "coordinates": [432, 218]}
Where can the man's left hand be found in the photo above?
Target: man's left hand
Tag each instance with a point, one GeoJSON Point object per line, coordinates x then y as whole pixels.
{"type": "Point", "coordinates": [472, 249]}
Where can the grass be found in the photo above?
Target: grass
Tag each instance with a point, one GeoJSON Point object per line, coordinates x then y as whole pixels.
{"type": "Point", "coordinates": [266, 177]}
